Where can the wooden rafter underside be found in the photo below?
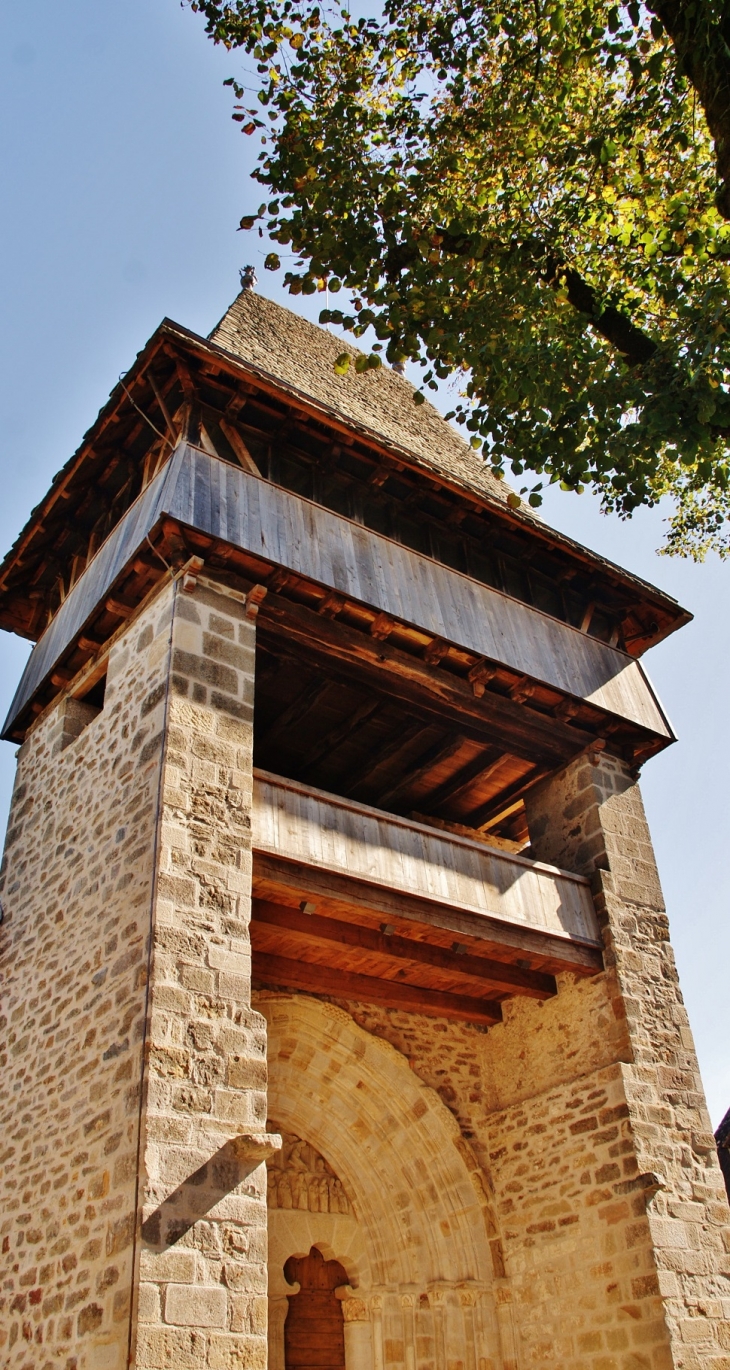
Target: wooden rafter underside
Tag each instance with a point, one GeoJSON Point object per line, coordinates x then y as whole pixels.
{"type": "Point", "coordinates": [277, 929]}
{"type": "Point", "coordinates": [339, 983]}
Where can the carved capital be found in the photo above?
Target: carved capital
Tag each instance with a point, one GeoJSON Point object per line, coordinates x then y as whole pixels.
{"type": "Point", "coordinates": [355, 1310]}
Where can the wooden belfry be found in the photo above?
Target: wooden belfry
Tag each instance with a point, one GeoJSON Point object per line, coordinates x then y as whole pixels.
{"type": "Point", "coordinates": [328, 763]}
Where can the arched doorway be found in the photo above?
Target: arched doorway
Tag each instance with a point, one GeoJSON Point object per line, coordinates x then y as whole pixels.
{"type": "Point", "coordinates": [314, 1331]}
{"type": "Point", "coordinates": [375, 1173]}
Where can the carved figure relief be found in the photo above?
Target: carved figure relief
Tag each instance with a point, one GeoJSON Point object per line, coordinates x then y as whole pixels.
{"type": "Point", "coordinates": [298, 1177]}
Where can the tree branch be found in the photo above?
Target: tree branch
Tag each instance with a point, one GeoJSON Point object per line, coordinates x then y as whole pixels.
{"type": "Point", "coordinates": [633, 344]}
{"type": "Point", "coordinates": [703, 56]}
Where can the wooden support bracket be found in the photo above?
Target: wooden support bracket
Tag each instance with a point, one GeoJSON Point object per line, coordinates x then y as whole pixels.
{"type": "Point", "coordinates": [331, 605]}
{"type": "Point", "coordinates": [254, 598]}
{"type": "Point", "coordinates": [479, 677]}
{"type": "Point", "coordinates": [522, 690]}
{"type": "Point", "coordinates": [189, 574]}
{"type": "Point", "coordinates": [436, 651]}
{"type": "Point", "coordinates": [381, 627]}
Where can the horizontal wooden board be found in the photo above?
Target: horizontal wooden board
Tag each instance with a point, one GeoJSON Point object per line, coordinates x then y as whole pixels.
{"type": "Point", "coordinates": [286, 530]}
{"type": "Point", "coordinates": [309, 826]}
{"type": "Point", "coordinates": [91, 589]}
{"type": "Point", "coordinates": [311, 541]}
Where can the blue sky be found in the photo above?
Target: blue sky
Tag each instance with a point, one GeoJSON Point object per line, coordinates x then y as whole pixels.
{"type": "Point", "coordinates": [123, 180]}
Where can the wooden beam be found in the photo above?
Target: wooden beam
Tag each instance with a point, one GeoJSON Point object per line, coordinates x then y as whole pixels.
{"type": "Point", "coordinates": [161, 402]}
{"type": "Point", "coordinates": [479, 769]}
{"type": "Point", "coordinates": [438, 692]}
{"type": "Point", "coordinates": [316, 979]}
{"type": "Point", "coordinates": [119, 608]}
{"type": "Point", "coordinates": [335, 736]}
{"type": "Point", "coordinates": [500, 804]}
{"type": "Point", "coordinates": [295, 712]}
{"type": "Point", "coordinates": [230, 431]}
{"type": "Point", "coordinates": [374, 763]}
{"type": "Point", "coordinates": [501, 977]}
{"type": "Point", "coordinates": [276, 878]}
{"type": "Point", "coordinates": [441, 751]}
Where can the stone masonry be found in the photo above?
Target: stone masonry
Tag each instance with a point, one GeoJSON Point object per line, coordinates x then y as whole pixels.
{"type": "Point", "coordinates": [586, 1113]}
{"type": "Point", "coordinates": [133, 1099]}
{"type": "Point", "coordinates": [662, 1179]}
{"type": "Point", "coordinates": [133, 1209]}
{"type": "Point", "coordinates": [202, 1299]}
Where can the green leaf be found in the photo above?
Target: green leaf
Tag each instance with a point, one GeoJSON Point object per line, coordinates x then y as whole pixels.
{"type": "Point", "coordinates": [508, 232]}
{"type": "Point", "coordinates": [342, 363]}
{"type": "Point", "coordinates": [272, 262]}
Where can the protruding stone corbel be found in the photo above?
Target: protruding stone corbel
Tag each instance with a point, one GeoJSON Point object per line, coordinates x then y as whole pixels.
{"type": "Point", "coordinates": [647, 1184]}
{"type": "Point", "coordinates": [224, 1170]}
{"type": "Point", "coordinates": [255, 1146]}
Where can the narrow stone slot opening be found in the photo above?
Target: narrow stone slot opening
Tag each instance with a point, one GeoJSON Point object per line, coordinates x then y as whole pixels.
{"type": "Point", "coordinates": [77, 712]}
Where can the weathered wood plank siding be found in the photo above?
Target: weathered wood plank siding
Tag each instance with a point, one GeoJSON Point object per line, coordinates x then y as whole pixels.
{"type": "Point", "coordinates": [93, 585]}
{"type": "Point", "coordinates": [302, 824]}
{"type": "Point", "coordinates": [314, 542]}
{"type": "Point", "coordinates": [247, 512]}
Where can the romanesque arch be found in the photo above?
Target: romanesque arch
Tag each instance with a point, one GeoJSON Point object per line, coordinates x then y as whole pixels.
{"type": "Point", "coordinates": [415, 1243]}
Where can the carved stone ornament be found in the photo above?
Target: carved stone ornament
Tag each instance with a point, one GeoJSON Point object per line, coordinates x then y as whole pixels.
{"type": "Point", "coordinates": [298, 1177]}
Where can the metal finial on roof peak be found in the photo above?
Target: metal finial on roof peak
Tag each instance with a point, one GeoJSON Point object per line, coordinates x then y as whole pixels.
{"type": "Point", "coordinates": [399, 368]}
{"type": "Point", "coordinates": [247, 276]}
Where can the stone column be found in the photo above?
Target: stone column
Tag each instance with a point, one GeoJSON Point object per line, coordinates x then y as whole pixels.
{"type": "Point", "coordinates": [278, 1309]}
{"type": "Point", "coordinates": [201, 1258]}
{"type": "Point", "coordinates": [590, 819]}
{"type": "Point", "coordinates": [358, 1339]}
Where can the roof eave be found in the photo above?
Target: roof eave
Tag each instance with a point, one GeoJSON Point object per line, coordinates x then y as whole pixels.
{"type": "Point", "coordinates": [169, 330]}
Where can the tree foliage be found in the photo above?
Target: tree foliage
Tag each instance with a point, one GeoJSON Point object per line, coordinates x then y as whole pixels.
{"type": "Point", "coordinates": [532, 195]}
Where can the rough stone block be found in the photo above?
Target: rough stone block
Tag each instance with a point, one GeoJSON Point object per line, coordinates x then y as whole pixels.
{"type": "Point", "coordinates": [194, 1305]}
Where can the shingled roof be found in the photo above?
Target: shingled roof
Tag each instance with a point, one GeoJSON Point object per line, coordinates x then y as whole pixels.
{"type": "Point", "coordinates": [284, 365]}
{"type": "Point", "coordinates": [302, 354]}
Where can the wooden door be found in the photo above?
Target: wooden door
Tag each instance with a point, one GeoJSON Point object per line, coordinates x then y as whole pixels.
{"type": "Point", "coordinates": [314, 1336]}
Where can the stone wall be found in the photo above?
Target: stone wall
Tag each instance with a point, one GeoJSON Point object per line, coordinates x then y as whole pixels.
{"type": "Point", "coordinates": [76, 891]}
{"type": "Point", "coordinates": [587, 1117]}
{"type": "Point", "coordinates": [129, 849]}
{"type": "Point", "coordinates": [591, 819]}
{"type": "Point", "coordinates": [569, 1213]}
{"type": "Point", "coordinates": [540, 1102]}
{"type": "Point", "coordinates": [203, 1254]}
